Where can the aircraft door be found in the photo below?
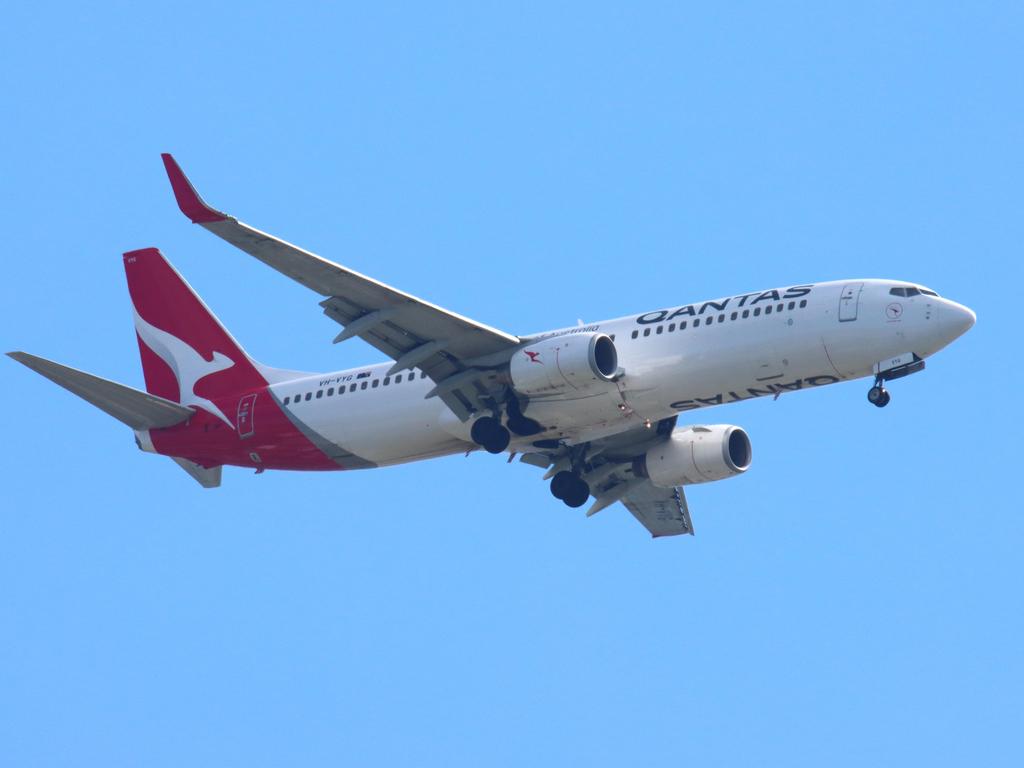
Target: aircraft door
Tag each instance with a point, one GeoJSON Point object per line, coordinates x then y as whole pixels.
{"type": "Point", "coordinates": [245, 423]}
{"type": "Point", "coordinates": [849, 299]}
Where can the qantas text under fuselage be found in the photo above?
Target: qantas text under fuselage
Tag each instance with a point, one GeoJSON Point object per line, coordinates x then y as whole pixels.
{"type": "Point", "coordinates": [597, 405]}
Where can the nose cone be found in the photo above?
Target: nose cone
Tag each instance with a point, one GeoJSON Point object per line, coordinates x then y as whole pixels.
{"type": "Point", "coordinates": [956, 319]}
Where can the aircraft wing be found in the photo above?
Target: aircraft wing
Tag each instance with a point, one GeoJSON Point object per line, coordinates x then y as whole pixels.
{"type": "Point", "coordinates": [607, 466]}
{"type": "Point", "coordinates": [662, 511]}
{"type": "Point", "coordinates": [455, 352]}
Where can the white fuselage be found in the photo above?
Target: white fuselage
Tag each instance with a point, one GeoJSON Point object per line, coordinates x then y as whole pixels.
{"type": "Point", "coordinates": [673, 360]}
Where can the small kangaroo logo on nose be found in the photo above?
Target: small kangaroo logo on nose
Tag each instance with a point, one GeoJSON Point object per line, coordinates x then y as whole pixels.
{"type": "Point", "coordinates": [533, 357]}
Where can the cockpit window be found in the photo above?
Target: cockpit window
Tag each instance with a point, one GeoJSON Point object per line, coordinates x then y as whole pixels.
{"type": "Point", "coordinates": [910, 290]}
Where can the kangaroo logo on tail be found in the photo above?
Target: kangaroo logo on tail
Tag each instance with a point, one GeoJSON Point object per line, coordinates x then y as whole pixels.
{"type": "Point", "coordinates": [188, 366]}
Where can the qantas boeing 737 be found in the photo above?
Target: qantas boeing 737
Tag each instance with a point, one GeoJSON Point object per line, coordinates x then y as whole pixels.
{"type": "Point", "coordinates": [596, 405]}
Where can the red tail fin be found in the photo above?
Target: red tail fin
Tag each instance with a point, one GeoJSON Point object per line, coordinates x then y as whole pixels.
{"type": "Point", "coordinates": [187, 355]}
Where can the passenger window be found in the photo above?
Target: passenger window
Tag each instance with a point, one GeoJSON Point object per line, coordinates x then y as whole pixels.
{"type": "Point", "coordinates": [671, 327]}
{"type": "Point", "coordinates": [647, 331]}
{"type": "Point", "coordinates": [319, 394]}
{"type": "Point", "coordinates": [330, 392]}
{"type": "Point", "coordinates": [734, 315]}
{"type": "Point", "coordinates": [768, 309]}
{"type": "Point", "coordinates": [376, 383]}
{"type": "Point", "coordinates": [780, 307]}
{"type": "Point", "coordinates": [660, 329]}
{"type": "Point", "coordinates": [423, 374]}
{"type": "Point", "coordinates": [803, 303]}
{"type": "Point", "coordinates": [287, 400]}
{"type": "Point", "coordinates": [792, 306]}
{"type": "Point", "coordinates": [746, 313]}
{"type": "Point", "coordinates": [721, 318]}
{"type": "Point", "coordinates": [364, 385]}
{"type": "Point", "coordinates": [682, 326]}
{"type": "Point", "coordinates": [398, 379]}
{"type": "Point", "coordinates": [612, 337]}
{"type": "Point", "coordinates": [757, 311]}
{"type": "Point", "coordinates": [309, 396]}
{"type": "Point", "coordinates": [352, 387]}
{"type": "Point", "coordinates": [634, 334]}
{"type": "Point", "coordinates": [387, 380]}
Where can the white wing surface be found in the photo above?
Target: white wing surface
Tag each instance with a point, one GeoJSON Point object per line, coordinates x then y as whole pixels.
{"type": "Point", "coordinates": [607, 465]}
{"type": "Point", "coordinates": [455, 352]}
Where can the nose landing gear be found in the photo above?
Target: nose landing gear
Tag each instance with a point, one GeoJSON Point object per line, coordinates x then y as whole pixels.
{"type": "Point", "coordinates": [894, 368]}
{"type": "Point", "coordinates": [878, 395]}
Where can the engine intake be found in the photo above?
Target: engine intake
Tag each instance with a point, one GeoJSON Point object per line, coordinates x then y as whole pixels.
{"type": "Point", "coordinates": [569, 363]}
{"type": "Point", "coordinates": [698, 454]}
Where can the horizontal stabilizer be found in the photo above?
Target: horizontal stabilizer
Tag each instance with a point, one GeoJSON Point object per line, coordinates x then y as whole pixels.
{"type": "Point", "coordinates": [206, 477]}
{"type": "Point", "coordinates": [137, 409]}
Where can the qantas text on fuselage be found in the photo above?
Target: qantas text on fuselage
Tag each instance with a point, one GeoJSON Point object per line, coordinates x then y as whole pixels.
{"type": "Point", "coordinates": [596, 405]}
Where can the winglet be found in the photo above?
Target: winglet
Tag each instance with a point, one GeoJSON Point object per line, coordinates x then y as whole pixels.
{"type": "Point", "coordinates": [189, 201]}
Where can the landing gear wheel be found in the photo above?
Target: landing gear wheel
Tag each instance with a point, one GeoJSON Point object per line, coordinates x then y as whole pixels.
{"type": "Point", "coordinates": [577, 493]}
{"type": "Point", "coordinates": [878, 396]}
{"type": "Point", "coordinates": [519, 424]}
{"type": "Point", "coordinates": [488, 433]}
{"type": "Point", "coordinates": [524, 427]}
{"type": "Point", "coordinates": [499, 442]}
{"type": "Point", "coordinates": [561, 483]}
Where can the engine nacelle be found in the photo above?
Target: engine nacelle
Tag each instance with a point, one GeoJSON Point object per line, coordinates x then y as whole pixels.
{"type": "Point", "coordinates": [570, 363]}
{"type": "Point", "coordinates": [697, 454]}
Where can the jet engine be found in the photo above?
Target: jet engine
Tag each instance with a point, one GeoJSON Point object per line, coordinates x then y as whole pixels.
{"type": "Point", "coordinates": [564, 364]}
{"type": "Point", "coordinates": [697, 454]}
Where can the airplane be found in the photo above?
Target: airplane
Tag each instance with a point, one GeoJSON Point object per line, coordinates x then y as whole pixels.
{"type": "Point", "coordinates": [596, 405]}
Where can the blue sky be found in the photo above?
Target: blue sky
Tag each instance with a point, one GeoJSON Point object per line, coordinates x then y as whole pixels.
{"type": "Point", "coordinates": [854, 599]}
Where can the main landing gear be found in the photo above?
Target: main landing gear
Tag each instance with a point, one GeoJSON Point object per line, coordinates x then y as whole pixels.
{"type": "Point", "coordinates": [489, 433]}
{"type": "Point", "coordinates": [878, 395]}
{"type": "Point", "coordinates": [519, 424]}
{"type": "Point", "coordinates": [570, 488]}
